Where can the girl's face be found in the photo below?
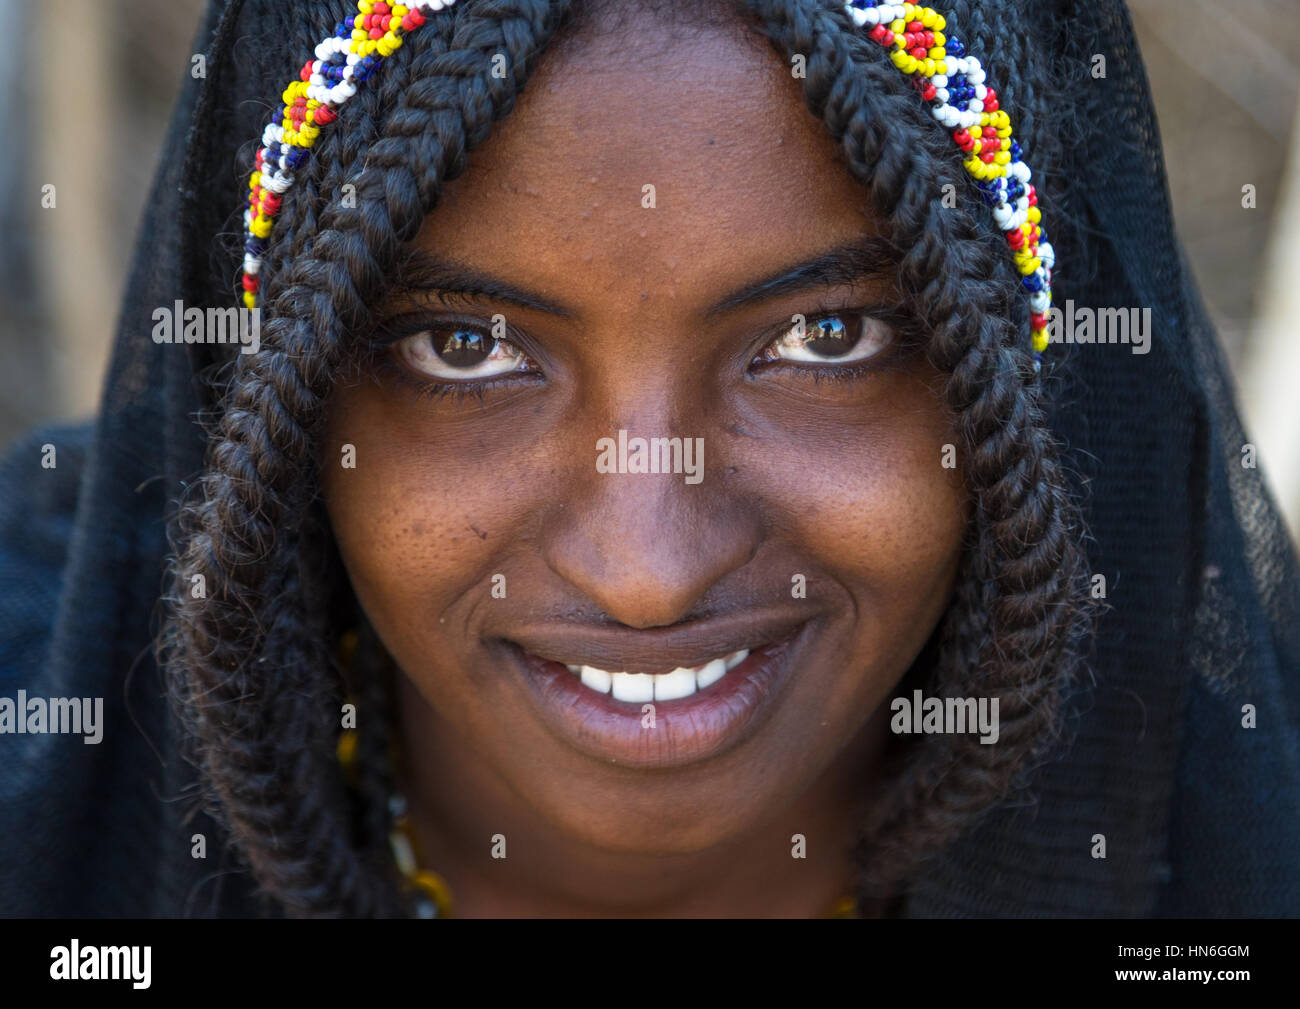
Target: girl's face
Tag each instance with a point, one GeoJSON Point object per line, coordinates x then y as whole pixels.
{"type": "Point", "coordinates": [628, 257]}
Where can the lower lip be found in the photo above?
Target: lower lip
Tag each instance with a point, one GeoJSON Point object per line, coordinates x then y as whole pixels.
{"type": "Point", "coordinates": [685, 730]}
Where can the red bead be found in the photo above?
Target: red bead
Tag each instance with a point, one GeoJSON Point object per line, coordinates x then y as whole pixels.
{"type": "Point", "coordinates": [990, 132]}
{"type": "Point", "coordinates": [250, 282]}
{"type": "Point", "coordinates": [918, 52]}
{"type": "Point", "coordinates": [915, 26]}
{"type": "Point", "coordinates": [929, 91]}
{"type": "Point", "coordinates": [324, 115]}
{"type": "Point", "coordinates": [305, 73]}
{"type": "Point", "coordinates": [416, 17]}
{"type": "Point", "coordinates": [382, 8]}
{"type": "Point", "coordinates": [987, 157]}
{"type": "Point", "coordinates": [1016, 238]}
{"type": "Point", "coordinates": [1032, 193]}
{"type": "Point", "coordinates": [1039, 320]}
{"type": "Point", "coordinates": [376, 33]}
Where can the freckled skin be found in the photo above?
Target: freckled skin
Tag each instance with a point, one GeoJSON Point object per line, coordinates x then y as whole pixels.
{"type": "Point", "coordinates": [838, 481]}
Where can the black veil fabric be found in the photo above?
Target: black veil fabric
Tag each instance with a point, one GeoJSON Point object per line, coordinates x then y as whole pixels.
{"type": "Point", "coordinates": [1200, 815]}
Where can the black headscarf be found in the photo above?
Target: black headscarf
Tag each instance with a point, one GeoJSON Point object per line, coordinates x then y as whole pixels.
{"type": "Point", "coordinates": [1199, 813]}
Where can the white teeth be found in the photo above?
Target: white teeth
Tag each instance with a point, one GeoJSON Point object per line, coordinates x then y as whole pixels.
{"type": "Point", "coordinates": [634, 687]}
{"type": "Point", "coordinates": [639, 687]}
{"type": "Point", "coordinates": [596, 679]}
{"type": "Point", "coordinates": [670, 686]}
{"type": "Point", "coordinates": [712, 673]}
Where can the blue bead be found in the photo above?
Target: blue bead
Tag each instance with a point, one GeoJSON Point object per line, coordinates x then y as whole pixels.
{"type": "Point", "coordinates": [1015, 151]}
{"type": "Point", "coordinates": [955, 48]}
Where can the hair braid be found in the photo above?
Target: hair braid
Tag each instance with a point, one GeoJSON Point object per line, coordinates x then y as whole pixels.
{"type": "Point", "coordinates": [246, 656]}
{"type": "Point", "coordinates": [1017, 608]}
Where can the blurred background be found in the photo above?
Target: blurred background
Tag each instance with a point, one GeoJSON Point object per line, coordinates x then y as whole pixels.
{"type": "Point", "coordinates": [1225, 75]}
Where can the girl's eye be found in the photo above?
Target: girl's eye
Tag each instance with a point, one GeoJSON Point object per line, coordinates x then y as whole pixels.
{"type": "Point", "coordinates": [459, 353]}
{"type": "Point", "coordinates": [841, 338]}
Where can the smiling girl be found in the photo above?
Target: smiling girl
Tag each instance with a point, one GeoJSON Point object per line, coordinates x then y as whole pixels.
{"type": "Point", "coordinates": [430, 657]}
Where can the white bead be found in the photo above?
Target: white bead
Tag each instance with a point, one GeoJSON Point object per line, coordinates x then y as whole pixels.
{"type": "Point", "coordinates": [939, 80]}
{"type": "Point", "coordinates": [981, 92]}
{"type": "Point", "coordinates": [859, 16]}
{"type": "Point", "coordinates": [941, 94]}
{"type": "Point", "coordinates": [316, 79]}
{"type": "Point", "coordinates": [348, 71]}
{"type": "Point", "coordinates": [1040, 301]}
{"type": "Point", "coordinates": [976, 76]}
{"type": "Point", "coordinates": [975, 105]}
{"type": "Point", "coordinates": [353, 58]}
{"type": "Point", "coordinates": [1023, 204]}
{"type": "Point", "coordinates": [251, 263]}
{"type": "Point", "coordinates": [1047, 254]}
{"type": "Point", "coordinates": [1002, 215]}
{"type": "Point", "coordinates": [323, 50]}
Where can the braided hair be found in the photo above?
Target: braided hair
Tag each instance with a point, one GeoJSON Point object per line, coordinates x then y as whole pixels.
{"type": "Point", "coordinates": [252, 657]}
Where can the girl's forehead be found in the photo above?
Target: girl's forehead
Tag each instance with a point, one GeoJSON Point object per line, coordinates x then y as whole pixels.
{"type": "Point", "coordinates": [626, 159]}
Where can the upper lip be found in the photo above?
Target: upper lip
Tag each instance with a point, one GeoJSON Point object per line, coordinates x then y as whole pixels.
{"type": "Point", "coordinates": [655, 650]}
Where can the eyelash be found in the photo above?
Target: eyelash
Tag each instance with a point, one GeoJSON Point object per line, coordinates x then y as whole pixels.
{"type": "Point", "coordinates": [391, 331]}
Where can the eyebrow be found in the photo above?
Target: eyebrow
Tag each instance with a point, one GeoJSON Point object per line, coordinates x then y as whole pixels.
{"type": "Point", "coordinates": [424, 272]}
{"type": "Point", "coordinates": [847, 264]}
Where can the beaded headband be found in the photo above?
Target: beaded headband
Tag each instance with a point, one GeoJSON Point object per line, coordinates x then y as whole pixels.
{"type": "Point", "coordinates": [951, 81]}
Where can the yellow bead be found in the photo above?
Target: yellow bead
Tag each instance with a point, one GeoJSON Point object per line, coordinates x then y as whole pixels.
{"type": "Point", "coordinates": [935, 54]}
{"type": "Point", "coordinates": [927, 17]}
{"type": "Point", "coordinates": [250, 299]}
{"type": "Point", "coordinates": [1002, 158]}
{"type": "Point", "coordinates": [1034, 215]}
{"type": "Point", "coordinates": [400, 11]}
{"type": "Point", "coordinates": [909, 11]}
{"type": "Point", "coordinates": [940, 39]}
{"type": "Point", "coordinates": [1041, 340]}
{"type": "Point", "coordinates": [941, 67]}
{"type": "Point", "coordinates": [927, 68]}
{"type": "Point", "coordinates": [364, 6]}
{"type": "Point", "coordinates": [255, 180]}
{"type": "Point", "coordinates": [939, 23]}
{"type": "Point", "coordinates": [898, 26]}
{"type": "Point", "coordinates": [899, 58]}
{"type": "Point", "coordinates": [261, 226]}
{"type": "Point", "coordinates": [1030, 266]}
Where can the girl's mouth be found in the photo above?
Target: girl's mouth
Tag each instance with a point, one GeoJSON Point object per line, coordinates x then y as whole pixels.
{"type": "Point", "coordinates": [643, 719]}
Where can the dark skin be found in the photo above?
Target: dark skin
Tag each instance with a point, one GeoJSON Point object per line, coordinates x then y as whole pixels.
{"type": "Point", "coordinates": [839, 481]}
